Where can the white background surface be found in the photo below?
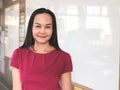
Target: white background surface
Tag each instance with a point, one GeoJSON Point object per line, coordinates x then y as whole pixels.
{"type": "Point", "coordinates": [89, 30]}
{"type": "Point", "coordinates": [12, 29]}
{"type": "Point", "coordinates": [2, 62]}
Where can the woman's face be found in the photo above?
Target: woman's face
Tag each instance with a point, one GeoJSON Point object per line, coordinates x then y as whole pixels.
{"type": "Point", "coordinates": [42, 28]}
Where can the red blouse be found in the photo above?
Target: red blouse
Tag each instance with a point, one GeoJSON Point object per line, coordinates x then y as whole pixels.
{"type": "Point", "coordinates": [41, 71]}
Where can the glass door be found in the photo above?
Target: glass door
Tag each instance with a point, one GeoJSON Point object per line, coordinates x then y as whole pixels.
{"type": "Point", "coordinates": [11, 29]}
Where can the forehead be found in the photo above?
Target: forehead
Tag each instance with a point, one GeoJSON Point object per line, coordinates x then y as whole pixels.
{"type": "Point", "coordinates": [44, 17]}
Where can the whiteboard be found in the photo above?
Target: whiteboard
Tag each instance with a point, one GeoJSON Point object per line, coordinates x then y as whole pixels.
{"type": "Point", "coordinates": [89, 30]}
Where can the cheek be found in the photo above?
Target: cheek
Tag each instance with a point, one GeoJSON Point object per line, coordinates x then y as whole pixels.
{"type": "Point", "coordinates": [33, 32]}
{"type": "Point", "coordinates": [51, 32]}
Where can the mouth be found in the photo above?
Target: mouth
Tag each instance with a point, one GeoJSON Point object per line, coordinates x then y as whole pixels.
{"type": "Point", "coordinates": [42, 36]}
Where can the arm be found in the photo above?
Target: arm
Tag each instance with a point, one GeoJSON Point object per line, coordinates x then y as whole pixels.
{"type": "Point", "coordinates": [16, 79]}
{"type": "Point", "coordinates": [65, 81]}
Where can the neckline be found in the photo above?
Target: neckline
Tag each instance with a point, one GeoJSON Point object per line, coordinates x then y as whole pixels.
{"type": "Point", "coordinates": [42, 53]}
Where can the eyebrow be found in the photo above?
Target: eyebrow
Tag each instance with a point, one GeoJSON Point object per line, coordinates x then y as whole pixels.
{"type": "Point", "coordinates": [46, 24]}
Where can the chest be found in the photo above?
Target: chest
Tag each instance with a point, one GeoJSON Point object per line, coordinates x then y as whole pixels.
{"type": "Point", "coordinates": [41, 65]}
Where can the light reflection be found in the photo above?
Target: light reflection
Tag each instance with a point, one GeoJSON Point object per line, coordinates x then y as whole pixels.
{"type": "Point", "coordinates": [104, 11]}
{"type": "Point", "coordinates": [92, 22]}
{"type": "Point", "coordinates": [71, 23]}
{"type": "Point", "coordinates": [93, 10]}
{"type": "Point", "coordinates": [105, 25]}
{"type": "Point", "coordinates": [107, 72]}
{"type": "Point", "coordinates": [72, 10]}
{"type": "Point", "coordinates": [97, 19]}
{"type": "Point", "coordinates": [97, 63]}
{"type": "Point", "coordinates": [11, 20]}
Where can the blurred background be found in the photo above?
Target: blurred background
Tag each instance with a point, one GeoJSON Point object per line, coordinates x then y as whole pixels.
{"type": "Point", "coordinates": [88, 29]}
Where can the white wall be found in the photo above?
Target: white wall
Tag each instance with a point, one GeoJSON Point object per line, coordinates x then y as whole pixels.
{"type": "Point", "coordinates": [89, 30]}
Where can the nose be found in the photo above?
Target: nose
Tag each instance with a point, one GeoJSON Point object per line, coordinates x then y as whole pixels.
{"type": "Point", "coordinates": [42, 30]}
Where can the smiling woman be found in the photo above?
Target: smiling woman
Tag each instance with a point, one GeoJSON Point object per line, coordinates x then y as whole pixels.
{"type": "Point", "coordinates": [40, 61]}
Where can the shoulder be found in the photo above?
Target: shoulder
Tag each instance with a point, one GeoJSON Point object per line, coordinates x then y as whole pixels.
{"type": "Point", "coordinates": [19, 50]}
{"type": "Point", "coordinates": [67, 61]}
{"type": "Point", "coordinates": [19, 53]}
{"type": "Point", "coordinates": [64, 53]}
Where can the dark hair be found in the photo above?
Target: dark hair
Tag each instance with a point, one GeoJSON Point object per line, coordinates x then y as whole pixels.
{"type": "Point", "coordinates": [29, 40]}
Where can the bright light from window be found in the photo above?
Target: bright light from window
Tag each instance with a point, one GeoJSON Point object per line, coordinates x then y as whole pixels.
{"type": "Point", "coordinates": [92, 22]}
{"type": "Point", "coordinates": [104, 11]}
{"type": "Point", "coordinates": [72, 23]}
{"type": "Point", "coordinates": [72, 10]}
{"type": "Point", "coordinates": [97, 19]}
{"type": "Point", "coordinates": [93, 10]}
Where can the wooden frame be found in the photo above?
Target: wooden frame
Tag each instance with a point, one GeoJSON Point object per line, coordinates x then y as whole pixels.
{"type": "Point", "coordinates": [77, 86]}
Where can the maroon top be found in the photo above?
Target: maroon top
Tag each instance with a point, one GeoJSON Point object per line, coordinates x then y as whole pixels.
{"type": "Point", "coordinates": [41, 71]}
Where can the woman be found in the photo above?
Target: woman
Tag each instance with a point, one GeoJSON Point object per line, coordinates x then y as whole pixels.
{"type": "Point", "coordinates": [39, 64]}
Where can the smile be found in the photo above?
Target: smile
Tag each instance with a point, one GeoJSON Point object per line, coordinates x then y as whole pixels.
{"type": "Point", "coordinates": [42, 36]}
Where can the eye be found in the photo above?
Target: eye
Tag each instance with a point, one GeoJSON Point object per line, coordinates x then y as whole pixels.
{"type": "Point", "coordinates": [48, 26]}
{"type": "Point", "coordinates": [37, 26]}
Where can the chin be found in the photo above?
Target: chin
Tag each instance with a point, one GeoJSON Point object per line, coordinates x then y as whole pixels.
{"type": "Point", "coordinates": [42, 42]}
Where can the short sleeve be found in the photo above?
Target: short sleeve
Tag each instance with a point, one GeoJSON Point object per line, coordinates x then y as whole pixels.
{"type": "Point", "coordinates": [68, 67]}
{"type": "Point", "coordinates": [15, 59]}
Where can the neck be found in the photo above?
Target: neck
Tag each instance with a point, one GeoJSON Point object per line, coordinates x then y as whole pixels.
{"type": "Point", "coordinates": [42, 48]}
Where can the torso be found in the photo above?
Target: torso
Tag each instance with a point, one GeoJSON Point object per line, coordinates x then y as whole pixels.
{"type": "Point", "coordinates": [41, 71]}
